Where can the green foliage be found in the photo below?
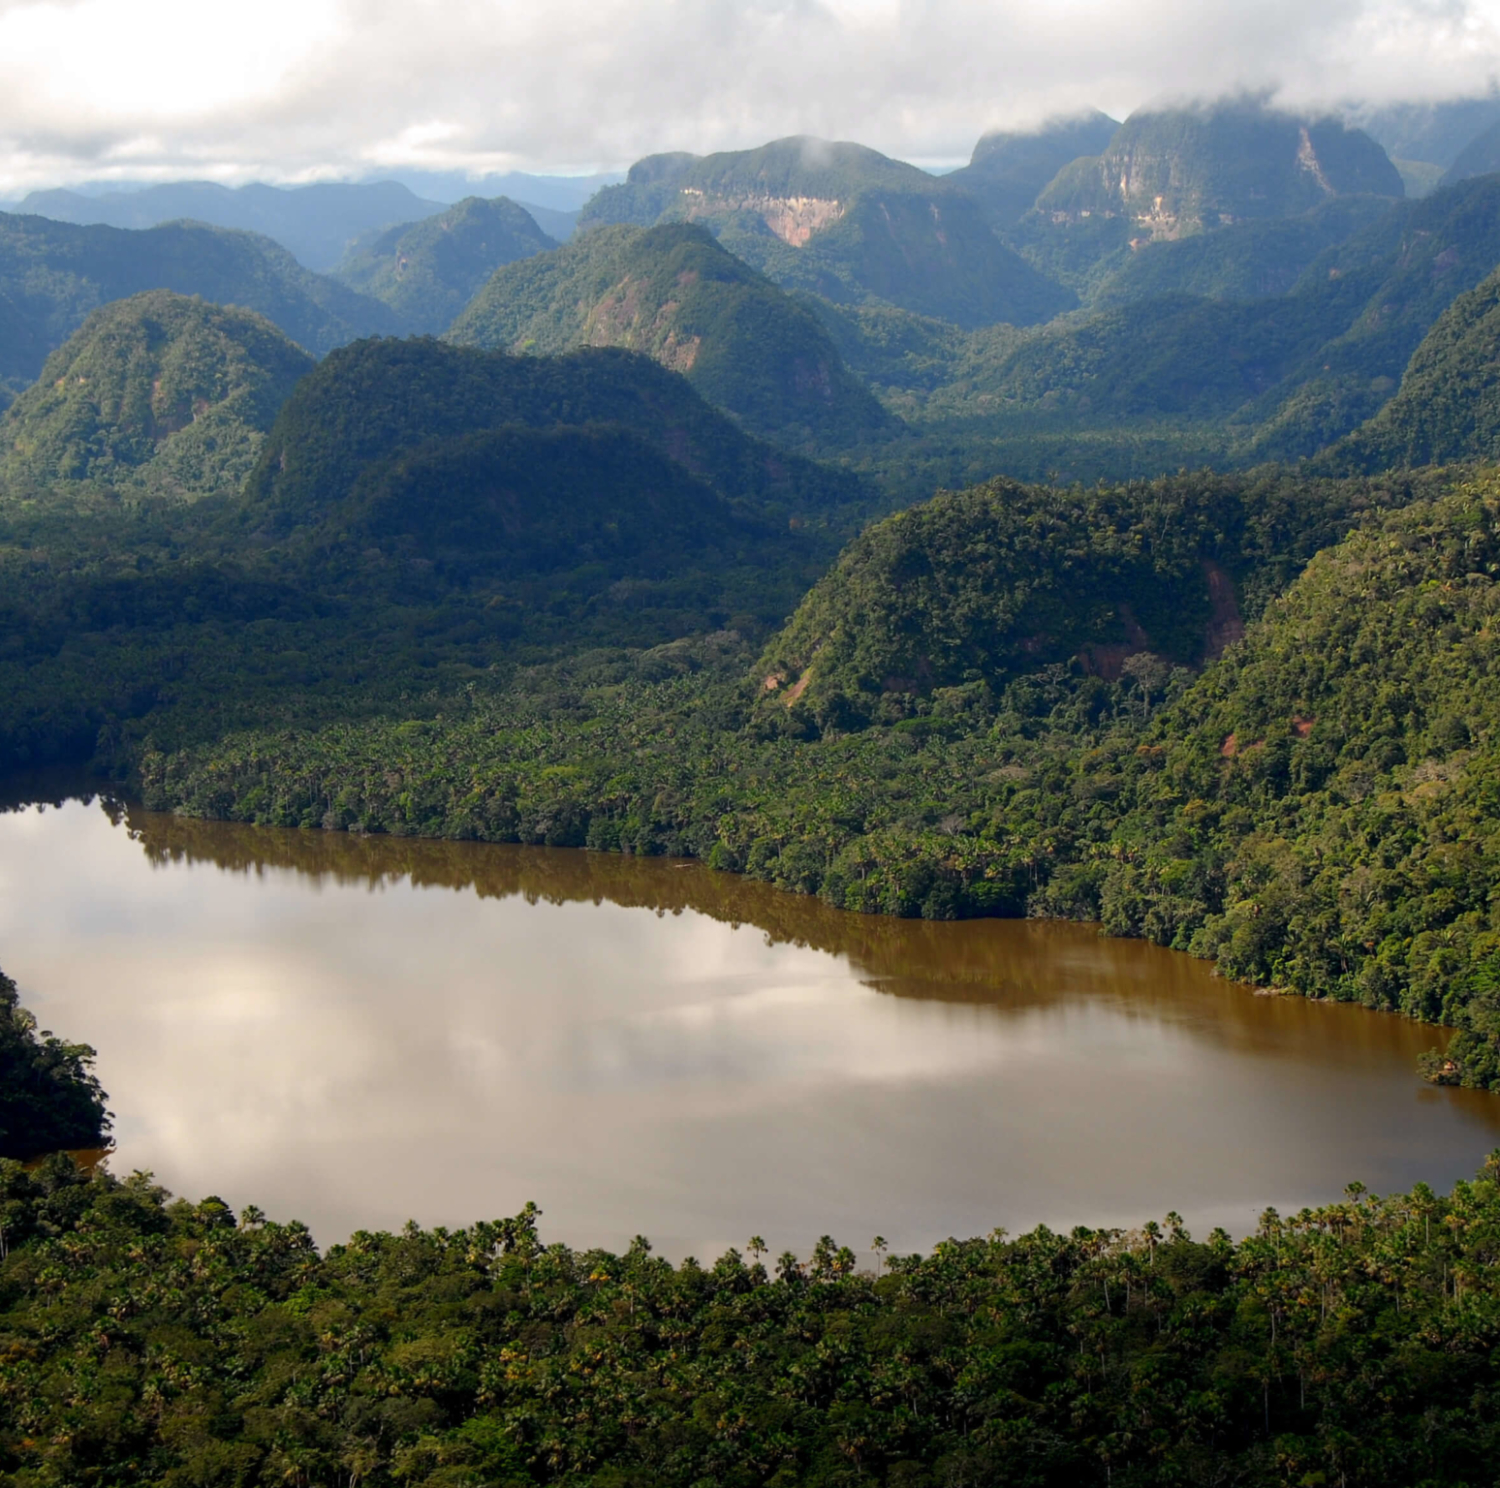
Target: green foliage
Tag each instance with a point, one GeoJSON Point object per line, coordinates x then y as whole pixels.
{"type": "Point", "coordinates": [980, 587]}
{"type": "Point", "coordinates": [373, 399]}
{"type": "Point", "coordinates": [54, 274]}
{"type": "Point", "coordinates": [159, 394]}
{"type": "Point", "coordinates": [1448, 406]}
{"type": "Point", "coordinates": [49, 1098]}
{"type": "Point", "coordinates": [153, 1340]}
{"type": "Point", "coordinates": [675, 295]}
{"type": "Point", "coordinates": [428, 271]}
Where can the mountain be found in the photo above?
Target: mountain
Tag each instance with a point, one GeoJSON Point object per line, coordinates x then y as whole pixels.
{"type": "Point", "coordinates": [1173, 172]}
{"type": "Point", "coordinates": [1009, 168]}
{"type": "Point", "coordinates": [54, 274]}
{"type": "Point", "coordinates": [378, 399]}
{"type": "Point", "coordinates": [428, 271]}
{"type": "Point", "coordinates": [315, 223]}
{"type": "Point", "coordinates": [1448, 406]}
{"type": "Point", "coordinates": [156, 394]}
{"type": "Point", "coordinates": [511, 502]}
{"type": "Point", "coordinates": [1170, 173]}
{"type": "Point", "coordinates": [674, 294]}
{"type": "Point", "coordinates": [843, 222]}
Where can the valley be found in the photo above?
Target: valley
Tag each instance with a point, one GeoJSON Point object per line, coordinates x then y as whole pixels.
{"type": "Point", "coordinates": [794, 692]}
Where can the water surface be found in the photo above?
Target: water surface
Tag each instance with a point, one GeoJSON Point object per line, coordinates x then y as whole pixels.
{"type": "Point", "coordinates": [355, 1031]}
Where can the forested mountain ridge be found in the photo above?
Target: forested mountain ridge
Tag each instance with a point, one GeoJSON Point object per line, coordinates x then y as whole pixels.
{"type": "Point", "coordinates": [53, 274]}
{"type": "Point", "coordinates": [844, 222]}
{"type": "Point", "coordinates": [428, 271]}
{"type": "Point", "coordinates": [1171, 173]}
{"type": "Point", "coordinates": [373, 399]}
{"type": "Point", "coordinates": [154, 395]}
{"type": "Point", "coordinates": [1228, 381]}
{"type": "Point", "coordinates": [674, 294]}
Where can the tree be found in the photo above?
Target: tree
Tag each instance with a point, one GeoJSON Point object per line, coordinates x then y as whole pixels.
{"type": "Point", "coordinates": [49, 1098]}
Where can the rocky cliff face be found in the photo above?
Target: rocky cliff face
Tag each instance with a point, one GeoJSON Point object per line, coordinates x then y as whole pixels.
{"type": "Point", "coordinates": [1174, 172]}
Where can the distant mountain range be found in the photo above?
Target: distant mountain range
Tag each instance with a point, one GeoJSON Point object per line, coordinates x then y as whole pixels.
{"type": "Point", "coordinates": [54, 274]}
{"type": "Point", "coordinates": [319, 223]}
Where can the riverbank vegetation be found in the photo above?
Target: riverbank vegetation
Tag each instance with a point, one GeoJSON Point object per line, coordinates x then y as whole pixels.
{"type": "Point", "coordinates": [150, 1340]}
{"type": "Point", "coordinates": [49, 1098]}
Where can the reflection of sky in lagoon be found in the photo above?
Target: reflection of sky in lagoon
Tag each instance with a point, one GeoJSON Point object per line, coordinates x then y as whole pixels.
{"type": "Point", "coordinates": [355, 1054]}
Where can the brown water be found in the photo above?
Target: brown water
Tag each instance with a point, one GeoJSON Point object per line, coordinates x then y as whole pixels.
{"type": "Point", "coordinates": [355, 1031]}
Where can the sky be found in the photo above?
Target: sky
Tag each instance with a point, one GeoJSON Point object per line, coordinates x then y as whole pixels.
{"type": "Point", "coordinates": [292, 90]}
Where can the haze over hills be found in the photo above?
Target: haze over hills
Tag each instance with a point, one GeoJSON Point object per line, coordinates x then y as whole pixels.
{"type": "Point", "coordinates": [675, 294]}
{"type": "Point", "coordinates": [315, 223]}
{"type": "Point", "coordinates": [1009, 169]}
{"type": "Point", "coordinates": [428, 271]}
{"type": "Point", "coordinates": [843, 222]}
{"type": "Point", "coordinates": [53, 274]}
{"type": "Point", "coordinates": [157, 394]}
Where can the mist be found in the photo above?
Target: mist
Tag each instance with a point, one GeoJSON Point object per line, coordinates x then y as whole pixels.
{"type": "Point", "coordinates": [295, 90]}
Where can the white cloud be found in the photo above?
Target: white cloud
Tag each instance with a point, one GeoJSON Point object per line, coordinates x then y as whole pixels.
{"type": "Point", "coordinates": [295, 88]}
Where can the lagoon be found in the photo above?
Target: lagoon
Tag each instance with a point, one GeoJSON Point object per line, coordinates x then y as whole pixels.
{"type": "Point", "coordinates": [355, 1031]}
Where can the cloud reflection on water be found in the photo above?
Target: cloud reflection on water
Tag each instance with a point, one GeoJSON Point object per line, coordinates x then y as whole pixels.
{"type": "Point", "coordinates": [357, 1032]}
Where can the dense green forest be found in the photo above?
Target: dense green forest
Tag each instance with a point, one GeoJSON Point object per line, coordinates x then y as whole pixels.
{"type": "Point", "coordinates": [155, 395]}
{"type": "Point", "coordinates": [675, 294]}
{"type": "Point", "coordinates": [428, 271]}
{"type": "Point", "coordinates": [150, 1340]}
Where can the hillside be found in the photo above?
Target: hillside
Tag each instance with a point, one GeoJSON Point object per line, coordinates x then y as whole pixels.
{"type": "Point", "coordinates": [315, 223]}
{"type": "Point", "coordinates": [599, 505]}
{"type": "Point", "coordinates": [672, 293]}
{"type": "Point", "coordinates": [1173, 172]}
{"type": "Point", "coordinates": [1246, 261]}
{"type": "Point", "coordinates": [1448, 406]}
{"type": "Point", "coordinates": [1009, 168]}
{"type": "Point", "coordinates": [157, 394]}
{"type": "Point", "coordinates": [54, 274]}
{"type": "Point", "coordinates": [976, 588]}
{"type": "Point", "coordinates": [375, 399]}
{"type": "Point", "coordinates": [844, 222]}
{"type": "Point", "coordinates": [428, 271]}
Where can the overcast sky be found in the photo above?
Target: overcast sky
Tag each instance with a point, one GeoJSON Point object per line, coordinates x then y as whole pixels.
{"type": "Point", "coordinates": [301, 89]}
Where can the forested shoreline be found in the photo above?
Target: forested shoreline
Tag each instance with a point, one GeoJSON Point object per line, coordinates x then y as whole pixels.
{"type": "Point", "coordinates": [1313, 811]}
{"type": "Point", "coordinates": [150, 1340]}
